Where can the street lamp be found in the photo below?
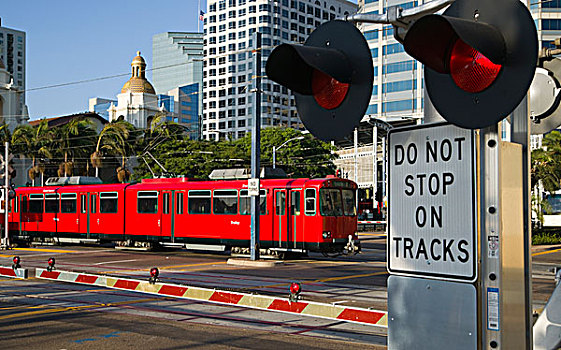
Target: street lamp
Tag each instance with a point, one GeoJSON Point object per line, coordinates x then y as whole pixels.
{"type": "Point", "coordinates": [275, 149]}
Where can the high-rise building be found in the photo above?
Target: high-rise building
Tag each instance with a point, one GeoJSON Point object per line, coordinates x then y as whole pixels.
{"type": "Point", "coordinates": [182, 107]}
{"type": "Point", "coordinates": [177, 61]}
{"type": "Point", "coordinates": [398, 78]}
{"type": "Point", "coordinates": [228, 66]}
{"type": "Point", "coordinates": [12, 55]}
{"type": "Point", "coordinates": [547, 16]}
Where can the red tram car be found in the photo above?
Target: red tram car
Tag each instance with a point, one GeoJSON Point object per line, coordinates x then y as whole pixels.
{"type": "Point", "coordinates": [296, 214]}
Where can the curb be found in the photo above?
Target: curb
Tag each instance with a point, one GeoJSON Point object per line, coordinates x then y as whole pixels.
{"type": "Point", "coordinates": [13, 273]}
{"type": "Point", "coordinates": [253, 301]}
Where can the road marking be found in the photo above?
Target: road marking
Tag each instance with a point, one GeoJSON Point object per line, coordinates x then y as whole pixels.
{"type": "Point", "coordinates": [330, 279]}
{"type": "Point", "coordinates": [23, 307]}
{"type": "Point", "coordinates": [6, 256]}
{"type": "Point", "coordinates": [547, 252]}
{"type": "Point", "coordinates": [115, 262]}
{"type": "Point", "coordinates": [167, 267]}
{"type": "Point", "coordinates": [74, 308]}
{"type": "Point", "coordinates": [46, 250]}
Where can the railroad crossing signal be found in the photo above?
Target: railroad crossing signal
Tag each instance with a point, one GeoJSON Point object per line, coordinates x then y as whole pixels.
{"type": "Point", "coordinates": [331, 76]}
{"type": "Point", "coordinates": [479, 57]}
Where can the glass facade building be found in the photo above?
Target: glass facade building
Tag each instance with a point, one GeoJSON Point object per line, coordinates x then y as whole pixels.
{"type": "Point", "coordinates": [397, 93]}
{"type": "Point", "coordinates": [177, 60]}
{"type": "Point", "coordinates": [228, 67]}
{"type": "Point", "coordinates": [182, 103]}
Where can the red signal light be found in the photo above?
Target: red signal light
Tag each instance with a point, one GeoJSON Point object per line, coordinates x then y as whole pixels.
{"type": "Point", "coordinates": [295, 288]}
{"type": "Point", "coordinates": [16, 260]}
{"type": "Point", "coordinates": [470, 69]}
{"type": "Point", "coordinates": [154, 272]}
{"type": "Point", "coordinates": [51, 262]}
{"type": "Point", "coordinates": [328, 92]}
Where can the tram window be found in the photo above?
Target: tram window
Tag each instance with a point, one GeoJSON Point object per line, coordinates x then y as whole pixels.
{"type": "Point", "coordinates": [24, 208]}
{"type": "Point", "coordinates": [108, 202]}
{"type": "Point", "coordinates": [179, 203]}
{"type": "Point", "coordinates": [83, 203]}
{"type": "Point", "coordinates": [199, 202]}
{"type": "Point", "coordinates": [51, 203]}
{"type": "Point", "coordinates": [295, 203]}
{"type": "Point", "coordinates": [68, 203]}
{"type": "Point", "coordinates": [310, 195]}
{"type": "Point", "coordinates": [225, 202]}
{"type": "Point", "coordinates": [93, 203]}
{"type": "Point", "coordinates": [349, 202]}
{"type": "Point", "coordinates": [16, 203]}
{"type": "Point", "coordinates": [36, 203]}
{"type": "Point", "coordinates": [330, 202]}
{"type": "Point", "coordinates": [165, 203]}
{"type": "Point", "coordinates": [147, 202]}
{"type": "Point", "coordinates": [245, 202]}
{"type": "Point", "coordinates": [280, 203]}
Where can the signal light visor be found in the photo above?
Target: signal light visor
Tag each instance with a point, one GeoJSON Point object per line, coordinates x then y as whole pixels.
{"type": "Point", "coordinates": [328, 92]}
{"type": "Point", "coordinates": [470, 69]}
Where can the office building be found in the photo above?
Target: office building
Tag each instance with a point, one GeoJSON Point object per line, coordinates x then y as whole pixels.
{"type": "Point", "coordinates": [182, 107]}
{"type": "Point", "coordinates": [12, 57]}
{"type": "Point", "coordinates": [228, 66]}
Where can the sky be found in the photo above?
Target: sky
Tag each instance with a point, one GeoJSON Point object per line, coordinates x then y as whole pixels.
{"type": "Point", "coordinates": [75, 40]}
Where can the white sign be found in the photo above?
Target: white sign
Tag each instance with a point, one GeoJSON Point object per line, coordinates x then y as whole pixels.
{"type": "Point", "coordinates": [253, 187]}
{"type": "Point", "coordinates": [432, 202]}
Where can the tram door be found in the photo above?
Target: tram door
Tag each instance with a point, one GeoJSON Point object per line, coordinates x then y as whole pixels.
{"type": "Point", "coordinates": [280, 223]}
{"type": "Point", "coordinates": [287, 223]}
{"type": "Point", "coordinates": [83, 215]}
{"type": "Point", "coordinates": [296, 222]}
{"type": "Point", "coordinates": [167, 220]}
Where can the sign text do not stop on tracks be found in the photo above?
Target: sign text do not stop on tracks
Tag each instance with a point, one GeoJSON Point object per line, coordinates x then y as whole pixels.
{"type": "Point", "coordinates": [432, 202]}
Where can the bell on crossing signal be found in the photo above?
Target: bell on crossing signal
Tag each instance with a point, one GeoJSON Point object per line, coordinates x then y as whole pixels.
{"type": "Point", "coordinates": [479, 57]}
{"type": "Point", "coordinates": [330, 75]}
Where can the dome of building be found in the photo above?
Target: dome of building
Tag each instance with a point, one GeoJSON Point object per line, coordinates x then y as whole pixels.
{"type": "Point", "coordinates": [138, 81]}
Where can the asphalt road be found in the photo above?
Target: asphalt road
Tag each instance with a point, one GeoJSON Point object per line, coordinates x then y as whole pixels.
{"type": "Point", "coordinates": [38, 314]}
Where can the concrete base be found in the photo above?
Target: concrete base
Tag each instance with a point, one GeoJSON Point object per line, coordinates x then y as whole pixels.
{"type": "Point", "coordinates": [254, 263]}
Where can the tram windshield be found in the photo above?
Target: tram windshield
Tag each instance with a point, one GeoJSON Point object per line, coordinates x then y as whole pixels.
{"type": "Point", "coordinates": [336, 202]}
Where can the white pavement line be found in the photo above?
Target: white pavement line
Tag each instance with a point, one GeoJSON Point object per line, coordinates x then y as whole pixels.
{"type": "Point", "coordinates": [115, 262]}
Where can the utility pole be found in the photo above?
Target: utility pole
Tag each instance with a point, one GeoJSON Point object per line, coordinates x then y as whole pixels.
{"type": "Point", "coordinates": [255, 147]}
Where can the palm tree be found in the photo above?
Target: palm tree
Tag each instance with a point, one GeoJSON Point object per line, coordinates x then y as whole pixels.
{"type": "Point", "coordinates": [113, 138]}
{"type": "Point", "coordinates": [33, 142]}
{"type": "Point", "coordinates": [75, 136]}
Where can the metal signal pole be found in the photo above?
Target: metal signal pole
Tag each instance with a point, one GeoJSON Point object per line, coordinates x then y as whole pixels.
{"type": "Point", "coordinates": [256, 145]}
{"type": "Point", "coordinates": [6, 189]}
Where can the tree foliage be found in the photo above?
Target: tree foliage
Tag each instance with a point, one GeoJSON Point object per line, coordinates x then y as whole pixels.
{"type": "Point", "coordinates": [546, 162]}
{"type": "Point", "coordinates": [164, 146]}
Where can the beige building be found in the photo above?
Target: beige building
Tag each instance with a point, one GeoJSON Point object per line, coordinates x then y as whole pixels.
{"type": "Point", "coordinates": [137, 102]}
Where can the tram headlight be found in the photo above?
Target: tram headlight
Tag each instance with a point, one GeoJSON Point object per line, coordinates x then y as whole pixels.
{"type": "Point", "coordinates": [326, 234]}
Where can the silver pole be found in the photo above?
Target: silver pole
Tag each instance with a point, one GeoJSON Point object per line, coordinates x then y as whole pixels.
{"type": "Point", "coordinates": [430, 113]}
{"type": "Point", "coordinates": [256, 144]}
{"type": "Point", "coordinates": [384, 170]}
{"type": "Point", "coordinates": [274, 156]}
{"type": "Point", "coordinates": [6, 188]}
{"type": "Point", "coordinates": [520, 133]}
{"type": "Point", "coordinates": [374, 164]}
